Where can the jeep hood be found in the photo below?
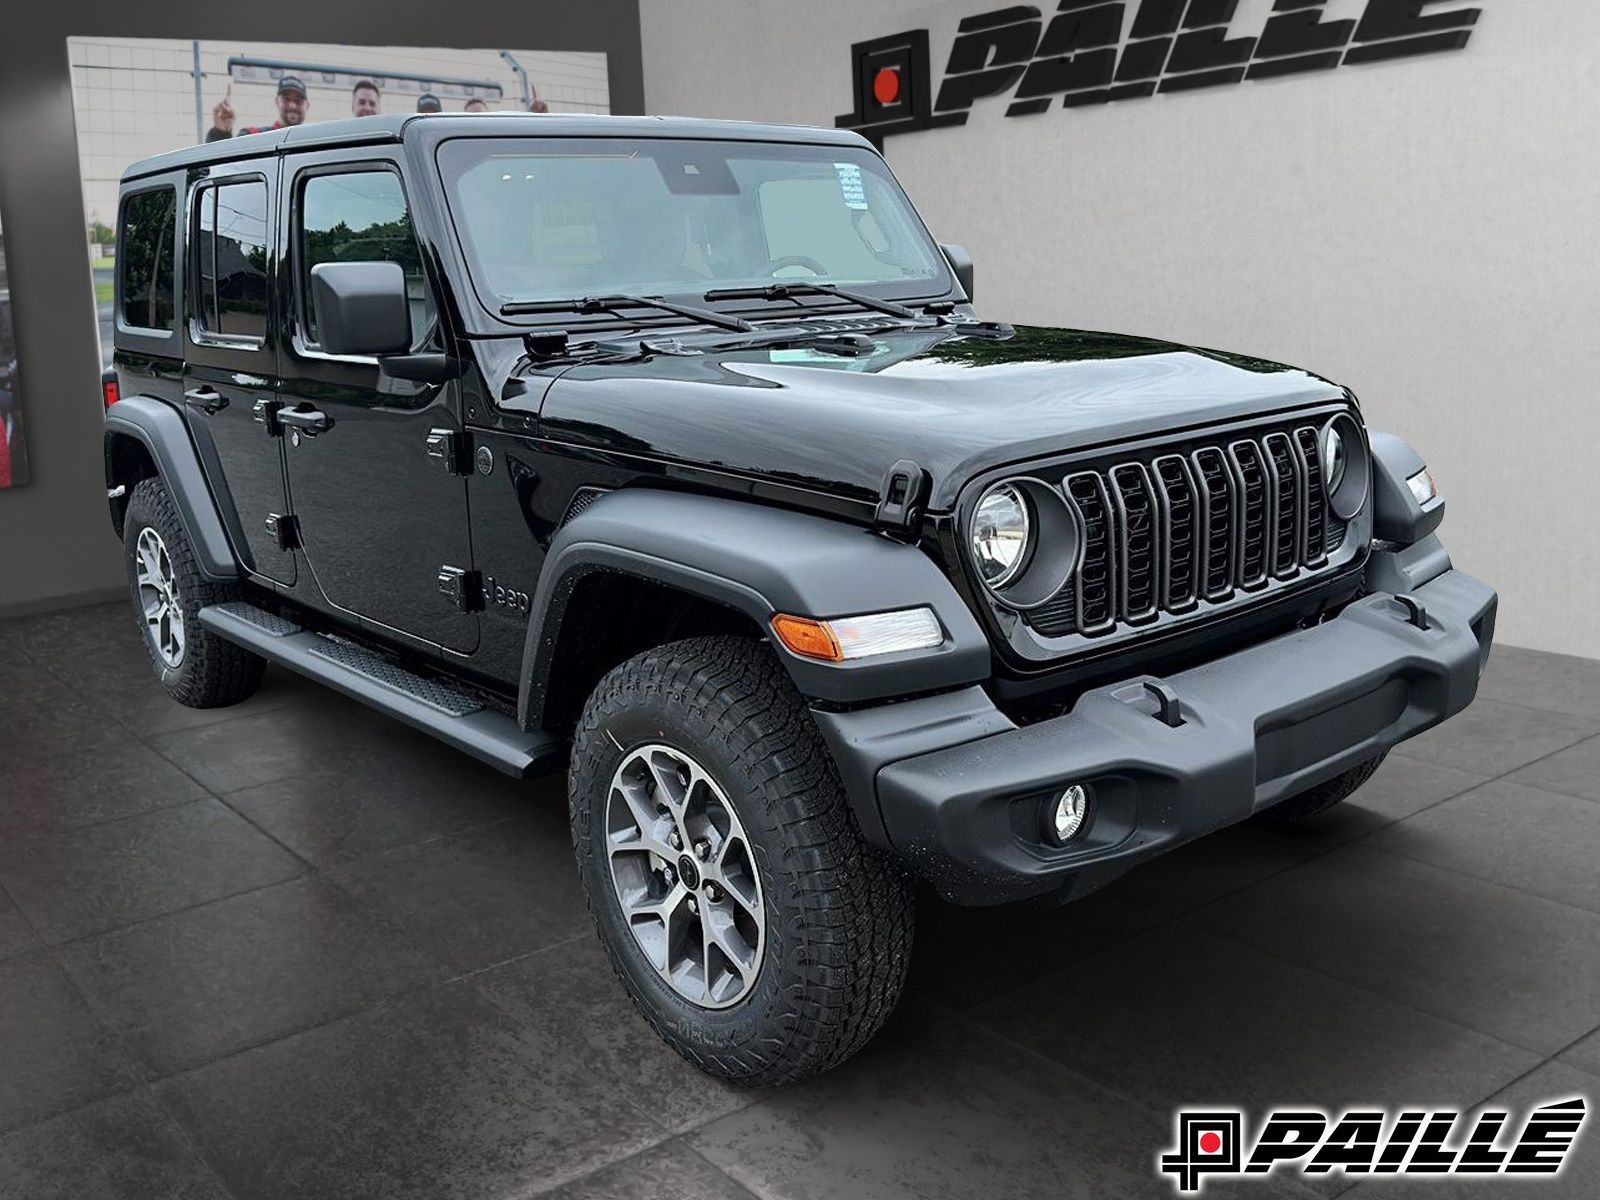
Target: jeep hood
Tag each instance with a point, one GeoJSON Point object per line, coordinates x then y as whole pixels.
{"type": "Point", "coordinates": [955, 404]}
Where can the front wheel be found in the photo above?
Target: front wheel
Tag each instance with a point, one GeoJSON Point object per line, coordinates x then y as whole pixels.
{"type": "Point", "coordinates": [755, 930]}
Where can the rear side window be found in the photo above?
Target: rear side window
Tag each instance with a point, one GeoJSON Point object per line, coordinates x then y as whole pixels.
{"type": "Point", "coordinates": [145, 256]}
{"type": "Point", "coordinates": [230, 259]}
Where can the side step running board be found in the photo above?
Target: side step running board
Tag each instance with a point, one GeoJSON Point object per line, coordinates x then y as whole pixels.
{"type": "Point", "coordinates": [452, 716]}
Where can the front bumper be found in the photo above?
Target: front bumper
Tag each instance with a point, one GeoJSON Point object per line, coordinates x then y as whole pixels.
{"type": "Point", "coordinates": [957, 792]}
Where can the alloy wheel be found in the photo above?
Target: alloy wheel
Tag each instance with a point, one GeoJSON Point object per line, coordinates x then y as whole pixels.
{"type": "Point", "coordinates": [158, 598]}
{"type": "Point", "coordinates": [685, 876]}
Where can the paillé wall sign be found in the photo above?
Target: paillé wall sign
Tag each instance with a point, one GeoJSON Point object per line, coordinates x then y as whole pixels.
{"type": "Point", "coordinates": [1088, 53]}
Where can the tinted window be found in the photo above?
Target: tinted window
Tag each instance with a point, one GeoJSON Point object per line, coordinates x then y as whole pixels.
{"type": "Point", "coordinates": [359, 217]}
{"type": "Point", "coordinates": [145, 258]}
{"type": "Point", "coordinates": [231, 259]}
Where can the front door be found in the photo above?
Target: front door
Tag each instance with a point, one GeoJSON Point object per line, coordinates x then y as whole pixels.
{"type": "Point", "coordinates": [378, 517]}
{"type": "Point", "coordinates": [231, 357]}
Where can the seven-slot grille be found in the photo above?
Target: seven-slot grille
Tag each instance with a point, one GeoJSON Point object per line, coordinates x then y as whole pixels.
{"type": "Point", "coordinates": [1163, 533]}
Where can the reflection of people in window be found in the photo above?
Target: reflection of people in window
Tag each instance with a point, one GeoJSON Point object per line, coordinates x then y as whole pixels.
{"type": "Point", "coordinates": [364, 99]}
{"type": "Point", "coordinates": [292, 106]}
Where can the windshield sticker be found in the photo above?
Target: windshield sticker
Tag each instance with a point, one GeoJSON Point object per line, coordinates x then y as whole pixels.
{"type": "Point", "coordinates": [852, 185]}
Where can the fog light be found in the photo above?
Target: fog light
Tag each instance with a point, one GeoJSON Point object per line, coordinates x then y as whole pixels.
{"type": "Point", "coordinates": [1067, 814]}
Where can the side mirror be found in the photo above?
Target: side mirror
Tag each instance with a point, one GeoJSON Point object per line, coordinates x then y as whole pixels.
{"type": "Point", "coordinates": [961, 263]}
{"type": "Point", "coordinates": [361, 307]}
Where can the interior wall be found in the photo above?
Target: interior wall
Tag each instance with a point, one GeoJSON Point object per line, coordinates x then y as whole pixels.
{"type": "Point", "coordinates": [1421, 230]}
{"type": "Point", "coordinates": [56, 544]}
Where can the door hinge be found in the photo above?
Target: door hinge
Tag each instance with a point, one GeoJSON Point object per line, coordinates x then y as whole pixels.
{"type": "Point", "coordinates": [283, 530]}
{"type": "Point", "coordinates": [900, 500]}
{"type": "Point", "coordinates": [265, 413]}
{"type": "Point", "coordinates": [447, 449]}
{"type": "Point", "coordinates": [463, 588]}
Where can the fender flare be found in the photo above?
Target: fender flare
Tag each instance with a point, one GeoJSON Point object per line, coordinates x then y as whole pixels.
{"type": "Point", "coordinates": [1397, 517]}
{"type": "Point", "coordinates": [161, 430]}
{"type": "Point", "coordinates": [757, 561]}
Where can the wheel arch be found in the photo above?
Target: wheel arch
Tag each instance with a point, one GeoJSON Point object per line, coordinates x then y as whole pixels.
{"type": "Point", "coordinates": [730, 565]}
{"type": "Point", "coordinates": [147, 438]}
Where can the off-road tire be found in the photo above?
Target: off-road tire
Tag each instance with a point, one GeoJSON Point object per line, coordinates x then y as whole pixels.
{"type": "Point", "coordinates": [1324, 796]}
{"type": "Point", "coordinates": [839, 914]}
{"type": "Point", "coordinates": [213, 672]}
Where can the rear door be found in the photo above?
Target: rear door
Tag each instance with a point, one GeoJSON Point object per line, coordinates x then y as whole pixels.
{"type": "Point", "coordinates": [231, 356]}
{"type": "Point", "coordinates": [381, 510]}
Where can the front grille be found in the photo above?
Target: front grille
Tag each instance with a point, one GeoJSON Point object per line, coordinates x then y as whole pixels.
{"type": "Point", "coordinates": [1164, 533]}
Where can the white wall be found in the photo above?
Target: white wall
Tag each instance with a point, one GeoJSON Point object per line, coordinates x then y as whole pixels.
{"type": "Point", "coordinates": [1423, 231]}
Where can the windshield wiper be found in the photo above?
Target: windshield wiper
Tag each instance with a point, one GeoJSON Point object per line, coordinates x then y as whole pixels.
{"type": "Point", "coordinates": [591, 304]}
{"type": "Point", "coordinates": [793, 288]}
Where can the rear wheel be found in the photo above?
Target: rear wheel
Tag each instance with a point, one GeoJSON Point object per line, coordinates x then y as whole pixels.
{"type": "Point", "coordinates": [197, 668]}
{"type": "Point", "coordinates": [754, 929]}
{"type": "Point", "coordinates": [1318, 799]}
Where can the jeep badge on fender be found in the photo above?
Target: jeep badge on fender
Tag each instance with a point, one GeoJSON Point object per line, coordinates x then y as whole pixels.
{"type": "Point", "coordinates": [824, 583]}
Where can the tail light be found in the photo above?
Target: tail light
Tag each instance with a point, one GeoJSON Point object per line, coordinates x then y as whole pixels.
{"type": "Point", "coordinates": [110, 390]}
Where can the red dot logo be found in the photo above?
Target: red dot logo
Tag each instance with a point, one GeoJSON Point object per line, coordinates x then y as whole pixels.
{"type": "Point", "coordinates": [1210, 1143]}
{"type": "Point", "coordinates": [886, 85]}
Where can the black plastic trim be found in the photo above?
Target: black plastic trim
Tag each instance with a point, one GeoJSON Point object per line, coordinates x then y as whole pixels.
{"type": "Point", "coordinates": [161, 430]}
{"type": "Point", "coordinates": [758, 561]}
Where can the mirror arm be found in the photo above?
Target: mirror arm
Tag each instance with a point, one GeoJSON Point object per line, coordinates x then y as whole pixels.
{"type": "Point", "coordinates": [436, 367]}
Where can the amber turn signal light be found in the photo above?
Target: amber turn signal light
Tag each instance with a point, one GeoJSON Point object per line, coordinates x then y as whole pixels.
{"type": "Point", "coordinates": [807, 638]}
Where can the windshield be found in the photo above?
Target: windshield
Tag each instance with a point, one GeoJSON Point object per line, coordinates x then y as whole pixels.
{"type": "Point", "coordinates": [558, 219]}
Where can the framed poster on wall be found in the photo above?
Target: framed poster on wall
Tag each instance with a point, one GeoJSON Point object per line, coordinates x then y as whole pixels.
{"type": "Point", "coordinates": [138, 97]}
{"type": "Point", "coordinates": [13, 446]}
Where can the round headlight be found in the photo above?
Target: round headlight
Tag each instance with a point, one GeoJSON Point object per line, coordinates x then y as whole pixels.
{"type": "Point", "coordinates": [1000, 530]}
{"type": "Point", "coordinates": [1333, 459]}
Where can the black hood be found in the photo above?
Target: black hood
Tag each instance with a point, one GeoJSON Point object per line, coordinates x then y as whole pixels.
{"type": "Point", "coordinates": [954, 404]}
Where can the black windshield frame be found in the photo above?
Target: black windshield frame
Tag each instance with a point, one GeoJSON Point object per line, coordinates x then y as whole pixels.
{"type": "Point", "coordinates": [452, 156]}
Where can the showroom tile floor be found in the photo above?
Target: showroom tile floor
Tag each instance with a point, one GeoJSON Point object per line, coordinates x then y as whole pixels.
{"type": "Point", "coordinates": [291, 949]}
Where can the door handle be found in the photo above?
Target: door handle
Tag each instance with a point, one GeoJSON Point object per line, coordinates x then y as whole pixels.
{"type": "Point", "coordinates": [307, 420]}
{"type": "Point", "coordinates": [207, 399]}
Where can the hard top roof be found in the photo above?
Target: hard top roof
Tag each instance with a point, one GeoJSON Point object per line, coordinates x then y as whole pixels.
{"type": "Point", "coordinates": [357, 131]}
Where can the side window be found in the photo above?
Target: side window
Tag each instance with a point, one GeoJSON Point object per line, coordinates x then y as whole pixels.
{"type": "Point", "coordinates": [145, 258]}
{"type": "Point", "coordinates": [230, 257]}
{"type": "Point", "coordinates": [359, 217]}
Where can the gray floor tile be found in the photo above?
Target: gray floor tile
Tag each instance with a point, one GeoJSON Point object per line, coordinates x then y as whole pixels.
{"type": "Point", "coordinates": [1586, 1054]}
{"type": "Point", "coordinates": [90, 880]}
{"type": "Point", "coordinates": [569, 996]}
{"type": "Point", "coordinates": [482, 897]}
{"type": "Point", "coordinates": [1518, 967]}
{"type": "Point", "coordinates": [55, 1055]}
{"type": "Point", "coordinates": [1539, 679]}
{"type": "Point", "coordinates": [349, 808]}
{"type": "Point", "coordinates": [66, 790]}
{"type": "Point", "coordinates": [1579, 1180]}
{"type": "Point", "coordinates": [16, 935]}
{"type": "Point", "coordinates": [437, 1094]}
{"type": "Point", "coordinates": [938, 1107]}
{"type": "Point", "coordinates": [1200, 872]}
{"type": "Point", "coordinates": [127, 689]}
{"type": "Point", "coordinates": [228, 756]}
{"type": "Point", "coordinates": [125, 1148]}
{"type": "Point", "coordinates": [1542, 842]}
{"type": "Point", "coordinates": [1178, 1016]}
{"type": "Point", "coordinates": [193, 986]}
{"type": "Point", "coordinates": [56, 636]}
{"type": "Point", "coordinates": [966, 955]}
{"type": "Point", "coordinates": [670, 1171]}
{"type": "Point", "coordinates": [1575, 770]}
{"type": "Point", "coordinates": [1491, 738]}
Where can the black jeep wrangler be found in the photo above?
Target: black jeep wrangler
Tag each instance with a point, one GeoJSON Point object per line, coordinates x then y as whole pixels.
{"type": "Point", "coordinates": [676, 449]}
